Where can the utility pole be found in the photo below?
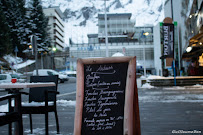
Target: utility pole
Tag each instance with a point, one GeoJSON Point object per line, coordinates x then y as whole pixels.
{"type": "Point", "coordinates": [34, 44]}
{"type": "Point", "coordinates": [106, 33]}
{"type": "Point", "coordinates": [16, 51]}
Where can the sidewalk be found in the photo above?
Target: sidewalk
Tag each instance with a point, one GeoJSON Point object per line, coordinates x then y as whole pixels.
{"type": "Point", "coordinates": [163, 111]}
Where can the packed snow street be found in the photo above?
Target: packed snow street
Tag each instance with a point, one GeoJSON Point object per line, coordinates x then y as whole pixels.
{"type": "Point", "coordinates": [162, 110]}
{"type": "Point", "coordinates": [101, 67]}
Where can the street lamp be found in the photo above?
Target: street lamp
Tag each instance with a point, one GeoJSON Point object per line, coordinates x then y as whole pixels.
{"type": "Point", "coordinates": [53, 50]}
{"type": "Point", "coordinates": [106, 33]}
{"type": "Point", "coordinates": [145, 34]}
{"type": "Point", "coordinates": [30, 46]}
{"type": "Point", "coordinates": [188, 49]}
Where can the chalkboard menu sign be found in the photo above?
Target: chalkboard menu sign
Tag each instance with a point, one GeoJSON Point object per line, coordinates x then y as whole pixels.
{"type": "Point", "coordinates": [103, 84]}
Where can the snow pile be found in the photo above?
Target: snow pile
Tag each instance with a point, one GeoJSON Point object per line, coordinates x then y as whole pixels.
{"type": "Point", "coordinates": [142, 77]}
{"type": "Point", "coordinates": [65, 103]}
{"type": "Point", "coordinates": [24, 64]}
{"type": "Point", "coordinates": [118, 54]}
{"type": "Point", "coordinates": [41, 131]}
{"type": "Point", "coordinates": [155, 77]}
{"type": "Point", "coordinates": [12, 59]}
{"type": "Point", "coordinates": [147, 85]}
{"type": "Point", "coordinates": [17, 62]}
{"type": "Point", "coordinates": [4, 108]}
{"type": "Point", "coordinates": [36, 104]}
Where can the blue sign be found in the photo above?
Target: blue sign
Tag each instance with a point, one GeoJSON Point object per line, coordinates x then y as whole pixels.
{"type": "Point", "coordinates": [88, 48]}
{"type": "Point", "coordinates": [16, 49]}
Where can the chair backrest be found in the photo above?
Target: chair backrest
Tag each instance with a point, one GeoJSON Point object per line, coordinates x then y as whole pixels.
{"type": "Point", "coordinates": [38, 94]}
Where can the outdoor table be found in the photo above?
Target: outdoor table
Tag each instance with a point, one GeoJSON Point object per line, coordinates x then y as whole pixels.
{"type": "Point", "coordinates": [15, 87]}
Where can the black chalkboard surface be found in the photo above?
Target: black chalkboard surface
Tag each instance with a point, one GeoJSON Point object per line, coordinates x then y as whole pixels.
{"type": "Point", "coordinates": [106, 96]}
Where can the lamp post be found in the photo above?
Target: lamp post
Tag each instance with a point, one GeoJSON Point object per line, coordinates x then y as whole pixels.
{"type": "Point", "coordinates": [106, 33]}
{"type": "Point", "coordinates": [35, 48]}
{"type": "Point", "coordinates": [16, 51]}
{"type": "Point", "coordinates": [145, 34]}
{"type": "Point", "coordinates": [53, 49]}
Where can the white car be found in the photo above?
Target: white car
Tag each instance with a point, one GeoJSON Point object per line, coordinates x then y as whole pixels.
{"type": "Point", "coordinates": [71, 75]}
{"type": "Point", "coordinates": [19, 79]}
{"type": "Point", "coordinates": [5, 78]}
{"type": "Point", "coordinates": [45, 72]}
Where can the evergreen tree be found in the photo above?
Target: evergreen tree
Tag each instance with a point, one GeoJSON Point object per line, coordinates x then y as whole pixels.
{"type": "Point", "coordinates": [39, 23]}
{"type": "Point", "coordinates": [5, 42]}
{"type": "Point", "coordinates": [14, 12]}
{"type": "Point", "coordinates": [19, 23]}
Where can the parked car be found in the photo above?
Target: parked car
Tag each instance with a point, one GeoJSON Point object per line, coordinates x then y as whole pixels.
{"type": "Point", "coordinates": [19, 79]}
{"type": "Point", "coordinates": [5, 78]}
{"type": "Point", "coordinates": [71, 75]}
{"type": "Point", "coordinates": [44, 72]}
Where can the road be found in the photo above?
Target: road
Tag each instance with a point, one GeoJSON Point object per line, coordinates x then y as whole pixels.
{"type": "Point", "coordinates": [163, 111]}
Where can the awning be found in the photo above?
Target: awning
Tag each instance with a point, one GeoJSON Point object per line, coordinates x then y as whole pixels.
{"type": "Point", "coordinates": [196, 38]}
{"type": "Point", "coordinates": [194, 53]}
{"type": "Point", "coordinates": [196, 42]}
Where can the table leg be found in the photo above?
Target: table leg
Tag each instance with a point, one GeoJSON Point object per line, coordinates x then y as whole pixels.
{"type": "Point", "coordinates": [18, 130]}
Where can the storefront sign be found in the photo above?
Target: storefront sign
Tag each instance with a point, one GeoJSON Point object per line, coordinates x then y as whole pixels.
{"type": "Point", "coordinates": [168, 40]}
{"type": "Point", "coordinates": [107, 98]}
{"type": "Point", "coordinates": [88, 48]}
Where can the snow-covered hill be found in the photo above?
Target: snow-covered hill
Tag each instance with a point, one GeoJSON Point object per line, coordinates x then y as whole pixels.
{"type": "Point", "coordinates": [81, 16]}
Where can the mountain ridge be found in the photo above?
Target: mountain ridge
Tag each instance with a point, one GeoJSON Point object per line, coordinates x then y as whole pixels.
{"type": "Point", "coordinates": [81, 17]}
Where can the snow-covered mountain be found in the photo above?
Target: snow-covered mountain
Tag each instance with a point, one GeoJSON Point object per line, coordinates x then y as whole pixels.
{"type": "Point", "coordinates": [81, 15]}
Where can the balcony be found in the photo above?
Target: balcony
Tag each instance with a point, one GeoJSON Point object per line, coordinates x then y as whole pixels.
{"type": "Point", "coordinates": [58, 24]}
{"type": "Point", "coordinates": [117, 22]}
{"type": "Point", "coordinates": [59, 19]}
{"type": "Point", "coordinates": [59, 30]}
{"type": "Point", "coordinates": [59, 36]}
{"type": "Point", "coordinates": [59, 42]}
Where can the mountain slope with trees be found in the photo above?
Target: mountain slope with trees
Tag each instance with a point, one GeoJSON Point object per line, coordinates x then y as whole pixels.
{"type": "Point", "coordinates": [18, 22]}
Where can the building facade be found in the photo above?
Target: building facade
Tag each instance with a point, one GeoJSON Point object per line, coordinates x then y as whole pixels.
{"type": "Point", "coordinates": [56, 31]}
{"type": "Point", "coordinates": [123, 37]}
{"type": "Point", "coordinates": [175, 11]}
{"type": "Point", "coordinates": [194, 45]}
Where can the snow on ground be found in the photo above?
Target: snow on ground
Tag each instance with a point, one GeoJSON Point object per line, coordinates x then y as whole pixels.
{"type": "Point", "coordinates": [24, 64]}
{"type": "Point", "coordinates": [147, 85]}
{"type": "Point", "coordinates": [172, 98]}
{"type": "Point", "coordinates": [155, 77]}
{"type": "Point", "coordinates": [118, 54]}
{"type": "Point", "coordinates": [12, 59]}
{"type": "Point", "coordinates": [4, 108]}
{"type": "Point", "coordinates": [41, 131]}
{"type": "Point", "coordinates": [63, 103]}
{"type": "Point", "coordinates": [66, 103]}
{"type": "Point", "coordinates": [17, 62]}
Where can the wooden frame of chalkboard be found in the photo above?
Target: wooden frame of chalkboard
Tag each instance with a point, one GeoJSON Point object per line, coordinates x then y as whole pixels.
{"type": "Point", "coordinates": [107, 97]}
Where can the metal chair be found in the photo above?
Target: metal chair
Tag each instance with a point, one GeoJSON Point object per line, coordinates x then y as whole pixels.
{"type": "Point", "coordinates": [13, 115]}
{"type": "Point", "coordinates": [47, 95]}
